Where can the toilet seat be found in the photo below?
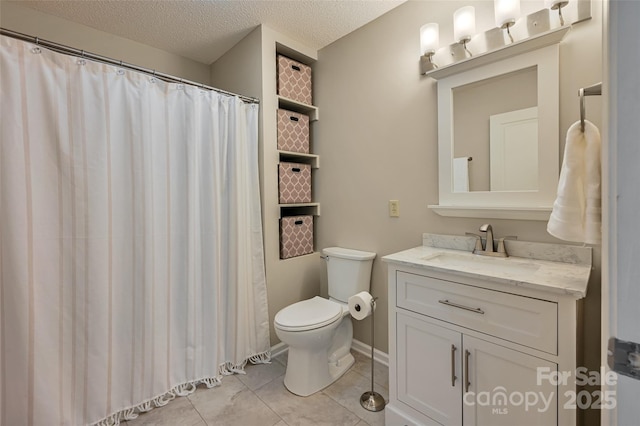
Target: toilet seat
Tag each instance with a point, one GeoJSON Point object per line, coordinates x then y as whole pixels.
{"type": "Point", "coordinates": [308, 314]}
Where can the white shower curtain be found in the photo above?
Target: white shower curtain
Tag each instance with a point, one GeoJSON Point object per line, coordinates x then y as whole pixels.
{"type": "Point", "coordinates": [131, 255]}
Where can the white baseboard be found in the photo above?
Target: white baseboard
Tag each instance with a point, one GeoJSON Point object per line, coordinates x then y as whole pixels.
{"type": "Point", "coordinates": [356, 345]}
{"type": "Point", "coordinates": [279, 349]}
{"type": "Point", "coordinates": [365, 349]}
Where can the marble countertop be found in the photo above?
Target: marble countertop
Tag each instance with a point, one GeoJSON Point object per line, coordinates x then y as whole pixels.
{"type": "Point", "coordinates": [535, 270]}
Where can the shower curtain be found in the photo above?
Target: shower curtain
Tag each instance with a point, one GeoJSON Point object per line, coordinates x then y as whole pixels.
{"type": "Point", "coordinates": [131, 253]}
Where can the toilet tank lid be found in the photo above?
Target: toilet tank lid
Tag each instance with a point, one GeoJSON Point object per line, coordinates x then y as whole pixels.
{"type": "Point", "coordinates": [346, 253]}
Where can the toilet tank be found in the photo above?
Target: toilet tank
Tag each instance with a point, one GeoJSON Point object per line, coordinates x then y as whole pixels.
{"type": "Point", "coordinates": [348, 271]}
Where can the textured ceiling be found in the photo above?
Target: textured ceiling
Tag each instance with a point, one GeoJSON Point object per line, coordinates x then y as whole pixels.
{"type": "Point", "coordinates": [204, 30]}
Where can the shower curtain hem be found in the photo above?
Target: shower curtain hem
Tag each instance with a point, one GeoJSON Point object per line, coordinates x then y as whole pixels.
{"type": "Point", "coordinates": [225, 369]}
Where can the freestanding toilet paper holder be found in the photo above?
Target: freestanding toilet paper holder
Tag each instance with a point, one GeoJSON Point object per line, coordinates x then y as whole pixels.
{"type": "Point", "coordinates": [372, 400]}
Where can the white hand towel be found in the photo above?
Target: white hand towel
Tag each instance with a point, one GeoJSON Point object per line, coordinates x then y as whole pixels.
{"type": "Point", "coordinates": [577, 211]}
{"type": "Point", "coordinates": [461, 174]}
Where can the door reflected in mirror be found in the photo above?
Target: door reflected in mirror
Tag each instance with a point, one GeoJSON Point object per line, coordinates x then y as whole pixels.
{"type": "Point", "coordinates": [495, 129]}
{"type": "Point", "coordinates": [513, 150]}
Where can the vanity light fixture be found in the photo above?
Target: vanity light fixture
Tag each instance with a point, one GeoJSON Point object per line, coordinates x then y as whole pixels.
{"type": "Point", "coordinates": [541, 24]}
{"type": "Point", "coordinates": [464, 25]}
{"type": "Point", "coordinates": [429, 43]}
{"type": "Point", "coordinates": [506, 12]}
{"type": "Point", "coordinates": [556, 4]}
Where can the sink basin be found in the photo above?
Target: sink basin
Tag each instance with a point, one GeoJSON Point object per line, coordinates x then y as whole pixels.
{"type": "Point", "coordinates": [478, 263]}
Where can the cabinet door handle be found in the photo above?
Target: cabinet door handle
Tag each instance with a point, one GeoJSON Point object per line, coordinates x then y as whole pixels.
{"type": "Point", "coordinates": [466, 308]}
{"type": "Point", "coordinates": [453, 365]}
{"type": "Point", "coordinates": [467, 382]}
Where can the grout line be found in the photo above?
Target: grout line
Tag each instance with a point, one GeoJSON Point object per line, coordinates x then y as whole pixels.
{"type": "Point", "coordinates": [368, 375]}
{"type": "Point", "coordinates": [360, 419]}
{"type": "Point", "coordinates": [265, 384]}
{"type": "Point", "coordinates": [194, 407]}
{"type": "Point", "coordinates": [352, 370]}
{"type": "Point", "coordinates": [266, 404]}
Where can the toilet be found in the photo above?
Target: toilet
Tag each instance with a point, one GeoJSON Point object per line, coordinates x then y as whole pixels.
{"type": "Point", "coordinates": [318, 330]}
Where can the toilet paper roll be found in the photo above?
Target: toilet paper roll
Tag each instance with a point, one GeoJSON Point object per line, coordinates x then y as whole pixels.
{"type": "Point", "coordinates": [360, 305]}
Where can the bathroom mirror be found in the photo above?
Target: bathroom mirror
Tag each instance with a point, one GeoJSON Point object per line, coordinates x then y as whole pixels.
{"type": "Point", "coordinates": [498, 138]}
{"type": "Point", "coordinates": [495, 134]}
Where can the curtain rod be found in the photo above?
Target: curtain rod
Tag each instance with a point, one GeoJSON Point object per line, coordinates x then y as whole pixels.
{"type": "Point", "coordinates": [61, 48]}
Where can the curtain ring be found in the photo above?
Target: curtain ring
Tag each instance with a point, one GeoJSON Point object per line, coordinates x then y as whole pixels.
{"type": "Point", "coordinates": [36, 49]}
{"type": "Point", "coordinates": [81, 61]}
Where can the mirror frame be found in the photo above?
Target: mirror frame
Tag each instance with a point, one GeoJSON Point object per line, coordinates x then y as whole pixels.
{"type": "Point", "coordinates": [534, 205]}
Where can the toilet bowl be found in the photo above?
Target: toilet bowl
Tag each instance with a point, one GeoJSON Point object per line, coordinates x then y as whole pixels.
{"type": "Point", "coordinates": [319, 336]}
{"type": "Point", "coordinates": [319, 331]}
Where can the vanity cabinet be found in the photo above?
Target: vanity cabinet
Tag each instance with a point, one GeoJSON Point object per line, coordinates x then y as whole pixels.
{"type": "Point", "coordinates": [455, 378]}
{"type": "Point", "coordinates": [506, 375]}
{"type": "Point", "coordinates": [424, 380]}
{"type": "Point", "coordinates": [468, 351]}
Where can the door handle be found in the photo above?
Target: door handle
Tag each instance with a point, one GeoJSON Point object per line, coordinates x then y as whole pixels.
{"type": "Point", "coordinates": [467, 382]}
{"type": "Point", "coordinates": [453, 365]}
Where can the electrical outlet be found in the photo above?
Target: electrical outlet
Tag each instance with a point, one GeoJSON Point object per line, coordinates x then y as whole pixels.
{"type": "Point", "coordinates": [394, 208]}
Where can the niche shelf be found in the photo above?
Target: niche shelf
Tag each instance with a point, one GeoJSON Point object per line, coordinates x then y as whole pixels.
{"type": "Point", "coordinates": [299, 157]}
{"type": "Point", "coordinates": [299, 209]}
{"type": "Point", "coordinates": [312, 111]}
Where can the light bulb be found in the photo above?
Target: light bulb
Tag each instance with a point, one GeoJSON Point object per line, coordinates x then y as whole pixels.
{"type": "Point", "coordinates": [429, 38]}
{"type": "Point", "coordinates": [506, 12]}
{"type": "Point", "coordinates": [464, 24]}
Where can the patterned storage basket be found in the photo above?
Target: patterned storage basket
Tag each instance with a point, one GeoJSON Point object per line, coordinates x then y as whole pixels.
{"type": "Point", "coordinates": [296, 236]}
{"type": "Point", "coordinates": [293, 131]}
{"type": "Point", "coordinates": [294, 80]}
{"type": "Point", "coordinates": [294, 183]}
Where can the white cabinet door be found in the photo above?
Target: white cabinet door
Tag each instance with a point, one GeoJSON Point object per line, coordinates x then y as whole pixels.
{"type": "Point", "coordinates": [501, 387]}
{"type": "Point", "coordinates": [429, 374]}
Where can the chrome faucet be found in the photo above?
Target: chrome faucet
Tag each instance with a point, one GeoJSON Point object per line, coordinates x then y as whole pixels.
{"type": "Point", "coordinates": [487, 249]}
{"type": "Point", "coordinates": [488, 245]}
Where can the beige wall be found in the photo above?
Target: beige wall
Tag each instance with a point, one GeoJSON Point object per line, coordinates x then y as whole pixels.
{"type": "Point", "coordinates": [27, 21]}
{"type": "Point", "coordinates": [239, 70]}
{"type": "Point", "coordinates": [377, 138]}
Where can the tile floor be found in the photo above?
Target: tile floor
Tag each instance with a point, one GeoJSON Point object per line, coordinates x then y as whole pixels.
{"type": "Point", "coordinates": [259, 398]}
